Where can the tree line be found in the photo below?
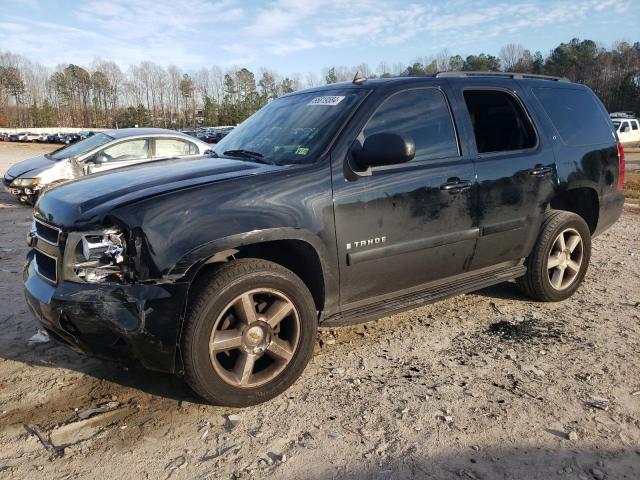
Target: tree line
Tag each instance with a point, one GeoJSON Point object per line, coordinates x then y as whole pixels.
{"type": "Point", "coordinates": [147, 94]}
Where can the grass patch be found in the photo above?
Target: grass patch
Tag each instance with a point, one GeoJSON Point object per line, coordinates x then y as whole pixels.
{"type": "Point", "coordinates": [632, 186]}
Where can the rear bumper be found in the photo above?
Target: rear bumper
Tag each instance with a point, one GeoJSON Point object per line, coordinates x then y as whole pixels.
{"type": "Point", "coordinates": [611, 206]}
{"type": "Point", "coordinates": [125, 322]}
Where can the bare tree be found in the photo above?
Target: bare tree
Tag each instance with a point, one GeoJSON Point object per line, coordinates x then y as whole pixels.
{"type": "Point", "coordinates": [443, 61]}
{"type": "Point", "coordinates": [101, 95]}
{"type": "Point", "coordinates": [383, 69]}
{"type": "Point", "coordinates": [510, 54]}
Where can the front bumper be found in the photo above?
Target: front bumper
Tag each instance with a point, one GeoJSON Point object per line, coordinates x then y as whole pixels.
{"type": "Point", "coordinates": [126, 322]}
{"type": "Point", "coordinates": [6, 183]}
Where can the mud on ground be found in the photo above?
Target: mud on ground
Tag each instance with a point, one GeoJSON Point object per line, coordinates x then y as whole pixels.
{"type": "Point", "coordinates": [483, 386]}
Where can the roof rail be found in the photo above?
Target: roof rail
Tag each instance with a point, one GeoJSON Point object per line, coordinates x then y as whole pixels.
{"type": "Point", "coordinates": [514, 75]}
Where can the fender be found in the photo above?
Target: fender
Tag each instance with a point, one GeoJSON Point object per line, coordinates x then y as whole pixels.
{"type": "Point", "coordinates": [190, 263]}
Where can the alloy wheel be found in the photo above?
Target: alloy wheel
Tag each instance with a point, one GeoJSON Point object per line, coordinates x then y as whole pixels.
{"type": "Point", "coordinates": [565, 259]}
{"type": "Point", "coordinates": [254, 338]}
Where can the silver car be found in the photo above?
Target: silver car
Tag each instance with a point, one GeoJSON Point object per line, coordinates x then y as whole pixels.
{"type": "Point", "coordinates": [101, 152]}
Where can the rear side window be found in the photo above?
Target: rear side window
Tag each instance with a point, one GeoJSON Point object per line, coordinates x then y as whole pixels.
{"type": "Point", "coordinates": [424, 115]}
{"type": "Point", "coordinates": [634, 125]}
{"type": "Point", "coordinates": [576, 115]}
{"type": "Point", "coordinates": [499, 121]}
{"type": "Point", "coordinates": [170, 147]}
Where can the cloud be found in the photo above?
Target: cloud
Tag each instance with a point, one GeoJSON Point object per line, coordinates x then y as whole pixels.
{"type": "Point", "coordinates": [196, 33]}
{"type": "Point", "coordinates": [286, 26]}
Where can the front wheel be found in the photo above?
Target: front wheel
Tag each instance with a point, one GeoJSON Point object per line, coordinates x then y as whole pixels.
{"type": "Point", "coordinates": [249, 334]}
{"type": "Point", "coordinates": [559, 260]}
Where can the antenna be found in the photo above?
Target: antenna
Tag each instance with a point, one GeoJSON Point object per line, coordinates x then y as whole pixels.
{"type": "Point", "coordinates": [359, 79]}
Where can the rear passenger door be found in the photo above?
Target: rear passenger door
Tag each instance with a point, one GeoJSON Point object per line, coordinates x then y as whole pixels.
{"type": "Point", "coordinates": [400, 226]}
{"type": "Point", "coordinates": [515, 167]}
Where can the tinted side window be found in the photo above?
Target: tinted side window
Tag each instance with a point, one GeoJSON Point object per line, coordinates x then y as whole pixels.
{"type": "Point", "coordinates": [576, 115]}
{"type": "Point", "coordinates": [634, 125]}
{"type": "Point", "coordinates": [424, 115]}
{"type": "Point", "coordinates": [499, 122]}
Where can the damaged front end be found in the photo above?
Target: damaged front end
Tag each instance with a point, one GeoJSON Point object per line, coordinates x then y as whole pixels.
{"type": "Point", "coordinates": [26, 189]}
{"type": "Point", "coordinates": [29, 186]}
{"type": "Point", "coordinates": [98, 257]}
{"type": "Point", "coordinates": [86, 290]}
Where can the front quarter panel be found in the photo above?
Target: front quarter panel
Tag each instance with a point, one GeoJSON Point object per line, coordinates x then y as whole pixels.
{"type": "Point", "coordinates": [183, 228]}
{"type": "Point", "coordinates": [60, 170]}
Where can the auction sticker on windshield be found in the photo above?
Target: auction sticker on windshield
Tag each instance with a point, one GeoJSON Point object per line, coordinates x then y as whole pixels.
{"type": "Point", "coordinates": [330, 100]}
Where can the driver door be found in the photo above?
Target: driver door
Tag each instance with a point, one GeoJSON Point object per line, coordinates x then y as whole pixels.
{"type": "Point", "coordinates": [624, 132]}
{"type": "Point", "coordinates": [121, 154]}
{"type": "Point", "coordinates": [401, 226]}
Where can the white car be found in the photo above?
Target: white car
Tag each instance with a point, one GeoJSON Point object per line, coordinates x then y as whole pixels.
{"type": "Point", "coordinates": [99, 153]}
{"type": "Point", "coordinates": [628, 130]}
{"type": "Point", "coordinates": [30, 137]}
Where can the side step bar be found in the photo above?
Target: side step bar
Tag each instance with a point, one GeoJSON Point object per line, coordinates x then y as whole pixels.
{"type": "Point", "coordinates": [425, 296]}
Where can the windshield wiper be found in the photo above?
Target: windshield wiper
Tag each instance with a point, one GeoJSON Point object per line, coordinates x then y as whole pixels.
{"type": "Point", "coordinates": [255, 156]}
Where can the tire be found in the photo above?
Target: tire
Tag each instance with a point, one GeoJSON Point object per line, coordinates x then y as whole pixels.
{"type": "Point", "coordinates": [280, 353]}
{"type": "Point", "coordinates": [544, 282]}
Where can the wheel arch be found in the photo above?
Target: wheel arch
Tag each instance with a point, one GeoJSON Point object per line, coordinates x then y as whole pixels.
{"type": "Point", "coordinates": [582, 201]}
{"type": "Point", "coordinates": [304, 254]}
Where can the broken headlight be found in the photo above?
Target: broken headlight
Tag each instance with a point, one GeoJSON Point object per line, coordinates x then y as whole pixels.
{"type": "Point", "coordinates": [25, 183]}
{"type": "Point", "coordinates": [99, 256]}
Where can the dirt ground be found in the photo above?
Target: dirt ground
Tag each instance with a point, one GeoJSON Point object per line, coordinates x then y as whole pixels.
{"type": "Point", "coordinates": [483, 386]}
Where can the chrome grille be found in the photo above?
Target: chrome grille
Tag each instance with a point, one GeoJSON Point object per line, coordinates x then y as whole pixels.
{"type": "Point", "coordinates": [47, 233]}
{"type": "Point", "coordinates": [46, 266]}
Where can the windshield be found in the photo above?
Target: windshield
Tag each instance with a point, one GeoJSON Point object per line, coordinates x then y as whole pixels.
{"type": "Point", "coordinates": [81, 147]}
{"type": "Point", "coordinates": [293, 129]}
{"type": "Point", "coordinates": [616, 124]}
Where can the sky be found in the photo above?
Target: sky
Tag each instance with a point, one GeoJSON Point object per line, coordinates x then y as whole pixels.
{"type": "Point", "coordinates": [299, 36]}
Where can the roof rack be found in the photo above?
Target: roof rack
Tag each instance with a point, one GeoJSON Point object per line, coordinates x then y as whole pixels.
{"type": "Point", "coordinates": [514, 75]}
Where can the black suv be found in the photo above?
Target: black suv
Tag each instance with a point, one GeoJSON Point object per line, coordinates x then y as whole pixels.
{"type": "Point", "coordinates": [329, 206]}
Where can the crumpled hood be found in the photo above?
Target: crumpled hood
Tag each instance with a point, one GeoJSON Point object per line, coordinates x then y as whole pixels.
{"type": "Point", "coordinates": [30, 168]}
{"type": "Point", "coordinates": [88, 199]}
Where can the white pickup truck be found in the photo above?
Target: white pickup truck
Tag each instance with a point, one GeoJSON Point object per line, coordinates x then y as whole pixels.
{"type": "Point", "coordinates": [628, 129]}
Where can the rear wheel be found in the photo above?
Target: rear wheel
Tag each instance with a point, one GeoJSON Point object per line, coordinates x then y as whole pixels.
{"type": "Point", "coordinates": [559, 260]}
{"type": "Point", "coordinates": [250, 333]}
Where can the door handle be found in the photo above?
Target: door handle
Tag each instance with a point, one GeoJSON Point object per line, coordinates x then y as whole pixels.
{"type": "Point", "coordinates": [455, 185]}
{"type": "Point", "coordinates": [540, 171]}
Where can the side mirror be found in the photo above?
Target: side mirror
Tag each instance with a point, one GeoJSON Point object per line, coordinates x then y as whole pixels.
{"type": "Point", "coordinates": [385, 148]}
{"type": "Point", "coordinates": [100, 159]}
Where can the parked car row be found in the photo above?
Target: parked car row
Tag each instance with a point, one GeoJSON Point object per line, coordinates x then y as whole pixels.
{"type": "Point", "coordinates": [209, 134]}
{"type": "Point", "coordinates": [61, 138]}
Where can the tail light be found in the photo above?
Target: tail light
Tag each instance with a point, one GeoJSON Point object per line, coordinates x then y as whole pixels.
{"type": "Point", "coordinates": [621, 167]}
